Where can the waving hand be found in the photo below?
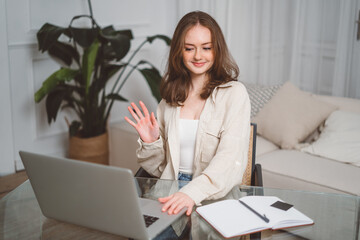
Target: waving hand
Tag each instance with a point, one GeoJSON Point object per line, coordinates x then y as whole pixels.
{"type": "Point", "coordinates": [146, 124]}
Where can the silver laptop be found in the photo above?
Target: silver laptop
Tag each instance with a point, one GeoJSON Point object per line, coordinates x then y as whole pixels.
{"type": "Point", "coordinates": [94, 196]}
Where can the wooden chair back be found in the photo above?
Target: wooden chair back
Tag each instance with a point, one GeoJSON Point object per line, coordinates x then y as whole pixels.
{"type": "Point", "coordinates": [249, 177]}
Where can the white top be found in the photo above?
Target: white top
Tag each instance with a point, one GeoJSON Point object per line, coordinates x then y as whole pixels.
{"type": "Point", "coordinates": [188, 129]}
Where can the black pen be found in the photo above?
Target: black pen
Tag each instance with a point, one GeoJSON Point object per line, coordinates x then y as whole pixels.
{"type": "Point", "coordinates": [256, 213]}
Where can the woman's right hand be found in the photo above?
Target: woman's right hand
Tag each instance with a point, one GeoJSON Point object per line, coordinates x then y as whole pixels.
{"type": "Point", "coordinates": [146, 125]}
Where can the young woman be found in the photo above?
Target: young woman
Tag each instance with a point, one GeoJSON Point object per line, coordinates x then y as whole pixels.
{"type": "Point", "coordinates": [201, 132]}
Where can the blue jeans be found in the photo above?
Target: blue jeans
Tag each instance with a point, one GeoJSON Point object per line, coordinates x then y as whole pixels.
{"type": "Point", "coordinates": [182, 177]}
{"type": "Point", "coordinates": [169, 233]}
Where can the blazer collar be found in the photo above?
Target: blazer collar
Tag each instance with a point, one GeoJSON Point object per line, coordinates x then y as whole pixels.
{"type": "Point", "coordinates": [225, 85]}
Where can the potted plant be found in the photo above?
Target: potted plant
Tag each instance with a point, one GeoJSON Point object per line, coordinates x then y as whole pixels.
{"type": "Point", "coordinates": [89, 57]}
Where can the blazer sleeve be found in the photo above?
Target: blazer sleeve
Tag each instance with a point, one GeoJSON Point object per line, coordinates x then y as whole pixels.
{"type": "Point", "coordinates": [151, 156]}
{"type": "Point", "coordinates": [228, 165]}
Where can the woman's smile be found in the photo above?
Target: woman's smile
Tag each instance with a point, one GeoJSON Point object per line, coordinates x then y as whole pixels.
{"type": "Point", "coordinates": [198, 64]}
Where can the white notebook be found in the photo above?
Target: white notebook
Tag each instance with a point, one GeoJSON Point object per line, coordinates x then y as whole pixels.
{"type": "Point", "coordinates": [251, 214]}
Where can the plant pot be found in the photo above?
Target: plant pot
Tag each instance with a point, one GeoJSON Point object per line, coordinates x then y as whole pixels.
{"type": "Point", "coordinates": [94, 149]}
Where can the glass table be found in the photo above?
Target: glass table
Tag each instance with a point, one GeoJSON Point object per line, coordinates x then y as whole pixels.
{"type": "Point", "coordinates": [336, 216]}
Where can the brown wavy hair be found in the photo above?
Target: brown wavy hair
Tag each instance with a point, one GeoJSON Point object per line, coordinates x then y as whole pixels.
{"type": "Point", "coordinates": [175, 84]}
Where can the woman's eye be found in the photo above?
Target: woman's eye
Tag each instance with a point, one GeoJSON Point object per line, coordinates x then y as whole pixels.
{"type": "Point", "coordinates": [188, 49]}
{"type": "Point", "coordinates": [207, 48]}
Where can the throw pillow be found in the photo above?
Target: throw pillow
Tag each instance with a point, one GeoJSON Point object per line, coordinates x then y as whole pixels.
{"type": "Point", "coordinates": [340, 139]}
{"type": "Point", "coordinates": [290, 116]}
{"type": "Point", "coordinates": [259, 95]}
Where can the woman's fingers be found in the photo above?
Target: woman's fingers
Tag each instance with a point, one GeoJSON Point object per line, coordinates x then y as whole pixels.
{"type": "Point", "coordinates": [178, 208]}
{"type": "Point", "coordinates": [147, 126]}
{"type": "Point", "coordinates": [189, 209]}
{"type": "Point", "coordinates": [131, 122]}
{"type": "Point", "coordinates": [153, 120]}
{"type": "Point", "coordinates": [174, 203]}
{"type": "Point", "coordinates": [131, 110]}
{"type": "Point", "coordinates": [165, 199]}
{"type": "Point", "coordinates": [168, 201]}
{"type": "Point", "coordinates": [145, 110]}
{"type": "Point", "coordinates": [137, 114]}
{"type": "Point", "coordinates": [137, 110]}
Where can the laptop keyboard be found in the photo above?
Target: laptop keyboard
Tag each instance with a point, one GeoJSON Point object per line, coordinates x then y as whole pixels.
{"type": "Point", "coordinates": [149, 220]}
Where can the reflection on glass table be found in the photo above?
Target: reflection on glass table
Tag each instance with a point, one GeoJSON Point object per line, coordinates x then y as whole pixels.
{"type": "Point", "coordinates": [336, 216]}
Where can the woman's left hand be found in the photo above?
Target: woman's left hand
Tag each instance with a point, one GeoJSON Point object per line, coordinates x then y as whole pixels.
{"type": "Point", "coordinates": [177, 201]}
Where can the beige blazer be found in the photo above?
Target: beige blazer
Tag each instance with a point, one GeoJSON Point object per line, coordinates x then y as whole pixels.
{"type": "Point", "coordinates": [221, 146]}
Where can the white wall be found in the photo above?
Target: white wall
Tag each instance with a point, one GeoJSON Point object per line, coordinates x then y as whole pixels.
{"type": "Point", "coordinates": [7, 164]}
{"type": "Point", "coordinates": [23, 123]}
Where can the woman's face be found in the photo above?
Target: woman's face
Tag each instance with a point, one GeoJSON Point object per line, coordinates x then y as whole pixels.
{"type": "Point", "coordinates": [198, 54]}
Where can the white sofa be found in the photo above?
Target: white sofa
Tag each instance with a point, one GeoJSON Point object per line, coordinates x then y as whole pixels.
{"type": "Point", "coordinates": [296, 169]}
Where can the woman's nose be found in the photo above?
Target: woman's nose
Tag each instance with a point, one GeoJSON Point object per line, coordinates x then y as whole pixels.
{"type": "Point", "coordinates": [197, 55]}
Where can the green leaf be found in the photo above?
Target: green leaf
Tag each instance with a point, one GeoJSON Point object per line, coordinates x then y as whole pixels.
{"type": "Point", "coordinates": [119, 42]}
{"type": "Point", "coordinates": [153, 79]}
{"type": "Point", "coordinates": [109, 30]}
{"type": "Point", "coordinates": [117, 97]}
{"type": "Point", "coordinates": [68, 105]}
{"type": "Point", "coordinates": [141, 62]}
{"type": "Point", "coordinates": [64, 52]}
{"type": "Point", "coordinates": [107, 71]}
{"type": "Point", "coordinates": [84, 36]}
{"type": "Point", "coordinates": [54, 100]}
{"type": "Point", "coordinates": [74, 128]}
{"type": "Point", "coordinates": [166, 39]}
{"type": "Point", "coordinates": [120, 45]}
{"type": "Point", "coordinates": [48, 35]}
{"type": "Point", "coordinates": [79, 80]}
{"type": "Point", "coordinates": [62, 75]}
{"type": "Point", "coordinates": [88, 61]}
{"type": "Point", "coordinates": [126, 32]}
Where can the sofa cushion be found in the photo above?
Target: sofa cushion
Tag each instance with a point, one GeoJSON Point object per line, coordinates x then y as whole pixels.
{"type": "Point", "coordinates": [312, 169]}
{"type": "Point", "coordinates": [259, 95]}
{"type": "Point", "coordinates": [290, 116]}
{"type": "Point", "coordinates": [346, 104]}
{"type": "Point", "coordinates": [340, 138]}
{"type": "Point", "coordinates": [264, 146]}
